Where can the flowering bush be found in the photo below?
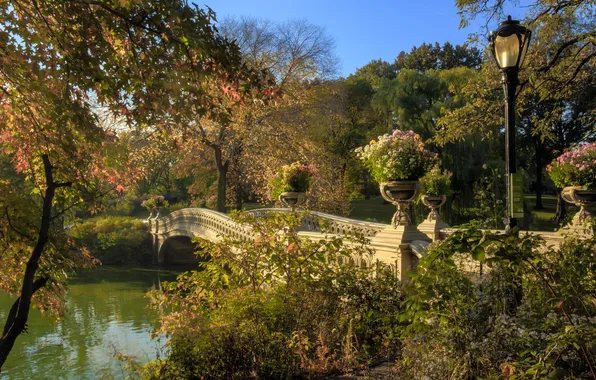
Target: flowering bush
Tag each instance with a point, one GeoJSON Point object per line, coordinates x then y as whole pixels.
{"type": "Point", "coordinates": [295, 177]}
{"type": "Point", "coordinates": [436, 183]}
{"type": "Point", "coordinates": [575, 168]}
{"type": "Point", "coordinates": [397, 156]}
{"type": "Point", "coordinates": [155, 201]}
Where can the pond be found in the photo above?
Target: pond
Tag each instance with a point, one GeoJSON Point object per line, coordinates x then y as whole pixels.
{"type": "Point", "coordinates": [107, 314]}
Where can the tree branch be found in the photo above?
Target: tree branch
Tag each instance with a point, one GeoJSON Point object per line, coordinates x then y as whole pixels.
{"type": "Point", "coordinates": [562, 48]}
{"type": "Point", "coordinates": [13, 227]}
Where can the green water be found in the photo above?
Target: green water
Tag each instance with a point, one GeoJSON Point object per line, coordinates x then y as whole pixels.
{"type": "Point", "coordinates": [107, 314]}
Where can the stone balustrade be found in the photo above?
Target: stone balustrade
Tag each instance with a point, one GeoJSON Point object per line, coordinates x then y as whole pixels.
{"type": "Point", "coordinates": [400, 247]}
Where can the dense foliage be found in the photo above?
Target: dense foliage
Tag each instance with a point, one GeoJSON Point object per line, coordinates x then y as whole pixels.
{"type": "Point", "coordinates": [397, 156]}
{"type": "Point", "coordinates": [463, 324]}
{"type": "Point", "coordinates": [278, 306]}
{"type": "Point", "coordinates": [575, 168]}
{"type": "Point", "coordinates": [436, 182]}
{"type": "Point", "coordinates": [114, 239]}
{"type": "Point", "coordinates": [296, 177]}
{"type": "Point", "coordinates": [124, 99]}
{"type": "Point", "coordinates": [73, 74]}
{"type": "Point", "coordinates": [479, 305]}
{"type": "Point", "coordinates": [155, 201]}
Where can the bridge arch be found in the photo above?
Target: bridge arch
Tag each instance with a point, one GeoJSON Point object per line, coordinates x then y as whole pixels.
{"type": "Point", "coordinates": [177, 249]}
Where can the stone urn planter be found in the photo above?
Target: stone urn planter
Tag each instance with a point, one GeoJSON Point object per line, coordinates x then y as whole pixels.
{"type": "Point", "coordinates": [582, 198]}
{"type": "Point", "coordinates": [292, 200]}
{"type": "Point", "coordinates": [434, 202]}
{"type": "Point", "coordinates": [400, 194]}
{"type": "Point", "coordinates": [155, 213]}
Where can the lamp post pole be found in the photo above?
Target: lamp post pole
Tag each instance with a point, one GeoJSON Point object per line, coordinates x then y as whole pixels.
{"type": "Point", "coordinates": [509, 44]}
{"type": "Point", "coordinates": [510, 82]}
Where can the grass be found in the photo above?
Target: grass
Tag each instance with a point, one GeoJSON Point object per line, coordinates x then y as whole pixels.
{"type": "Point", "coordinates": [543, 219]}
{"type": "Point", "coordinates": [375, 210]}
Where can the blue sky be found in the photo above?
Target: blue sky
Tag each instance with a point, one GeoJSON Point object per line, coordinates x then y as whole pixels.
{"type": "Point", "coordinates": [363, 30]}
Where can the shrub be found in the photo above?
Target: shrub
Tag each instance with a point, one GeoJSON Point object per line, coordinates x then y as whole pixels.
{"type": "Point", "coordinates": [397, 156]}
{"type": "Point", "coordinates": [575, 168]}
{"type": "Point", "coordinates": [114, 239]}
{"type": "Point", "coordinates": [489, 192]}
{"type": "Point", "coordinates": [122, 207]}
{"type": "Point", "coordinates": [155, 201]}
{"type": "Point", "coordinates": [295, 177]}
{"type": "Point", "coordinates": [277, 307]}
{"type": "Point", "coordinates": [470, 322]}
{"type": "Point", "coordinates": [436, 183]}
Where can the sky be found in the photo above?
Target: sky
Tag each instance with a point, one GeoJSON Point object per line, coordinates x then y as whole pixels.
{"type": "Point", "coordinates": [364, 30]}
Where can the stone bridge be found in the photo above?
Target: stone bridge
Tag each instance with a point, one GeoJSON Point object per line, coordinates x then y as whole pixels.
{"type": "Point", "coordinates": [399, 247]}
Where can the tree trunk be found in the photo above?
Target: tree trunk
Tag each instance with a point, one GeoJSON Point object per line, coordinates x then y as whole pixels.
{"type": "Point", "coordinates": [239, 196]}
{"type": "Point", "coordinates": [222, 171]}
{"type": "Point", "coordinates": [366, 185]}
{"type": "Point", "coordinates": [539, 146]}
{"type": "Point", "coordinates": [16, 321]}
{"type": "Point", "coordinates": [561, 213]}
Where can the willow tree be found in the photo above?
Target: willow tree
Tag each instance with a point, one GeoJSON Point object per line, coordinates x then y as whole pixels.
{"type": "Point", "coordinates": [57, 60]}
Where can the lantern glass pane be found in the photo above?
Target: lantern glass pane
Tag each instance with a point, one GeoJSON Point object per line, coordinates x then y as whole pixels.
{"type": "Point", "coordinates": [507, 51]}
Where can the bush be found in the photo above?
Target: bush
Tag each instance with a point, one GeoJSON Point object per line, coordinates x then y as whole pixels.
{"type": "Point", "coordinates": [489, 192]}
{"type": "Point", "coordinates": [397, 156]}
{"type": "Point", "coordinates": [173, 207]}
{"type": "Point", "coordinates": [436, 183]}
{"type": "Point", "coordinates": [125, 206]}
{"type": "Point", "coordinates": [296, 177]}
{"type": "Point", "coordinates": [278, 307]}
{"type": "Point", "coordinates": [472, 323]}
{"type": "Point", "coordinates": [114, 239]}
{"type": "Point", "coordinates": [575, 168]}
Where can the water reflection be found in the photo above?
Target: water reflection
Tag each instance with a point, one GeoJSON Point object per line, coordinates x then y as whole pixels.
{"type": "Point", "coordinates": [107, 314]}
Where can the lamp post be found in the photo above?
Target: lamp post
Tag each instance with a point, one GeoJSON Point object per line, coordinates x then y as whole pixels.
{"type": "Point", "coordinates": [509, 44]}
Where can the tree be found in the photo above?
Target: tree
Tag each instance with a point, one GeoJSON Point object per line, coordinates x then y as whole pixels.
{"type": "Point", "coordinates": [557, 76]}
{"type": "Point", "coordinates": [417, 99]}
{"type": "Point", "coordinates": [291, 54]}
{"type": "Point", "coordinates": [57, 59]}
{"type": "Point", "coordinates": [434, 57]}
{"type": "Point", "coordinates": [374, 72]}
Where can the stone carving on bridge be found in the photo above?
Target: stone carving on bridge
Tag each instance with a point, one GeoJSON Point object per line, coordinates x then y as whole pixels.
{"type": "Point", "coordinates": [400, 194]}
{"type": "Point", "coordinates": [433, 224]}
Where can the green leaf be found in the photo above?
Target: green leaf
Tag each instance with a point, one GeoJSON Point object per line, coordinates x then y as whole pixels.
{"type": "Point", "coordinates": [478, 253]}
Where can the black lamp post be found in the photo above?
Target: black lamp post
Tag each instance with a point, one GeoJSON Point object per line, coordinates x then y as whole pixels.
{"type": "Point", "coordinates": [509, 44]}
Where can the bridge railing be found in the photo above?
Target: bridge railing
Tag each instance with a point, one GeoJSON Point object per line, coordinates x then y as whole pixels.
{"type": "Point", "coordinates": [313, 221]}
{"type": "Point", "coordinates": [184, 219]}
{"type": "Point", "coordinates": [390, 245]}
{"type": "Point", "coordinates": [222, 224]}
